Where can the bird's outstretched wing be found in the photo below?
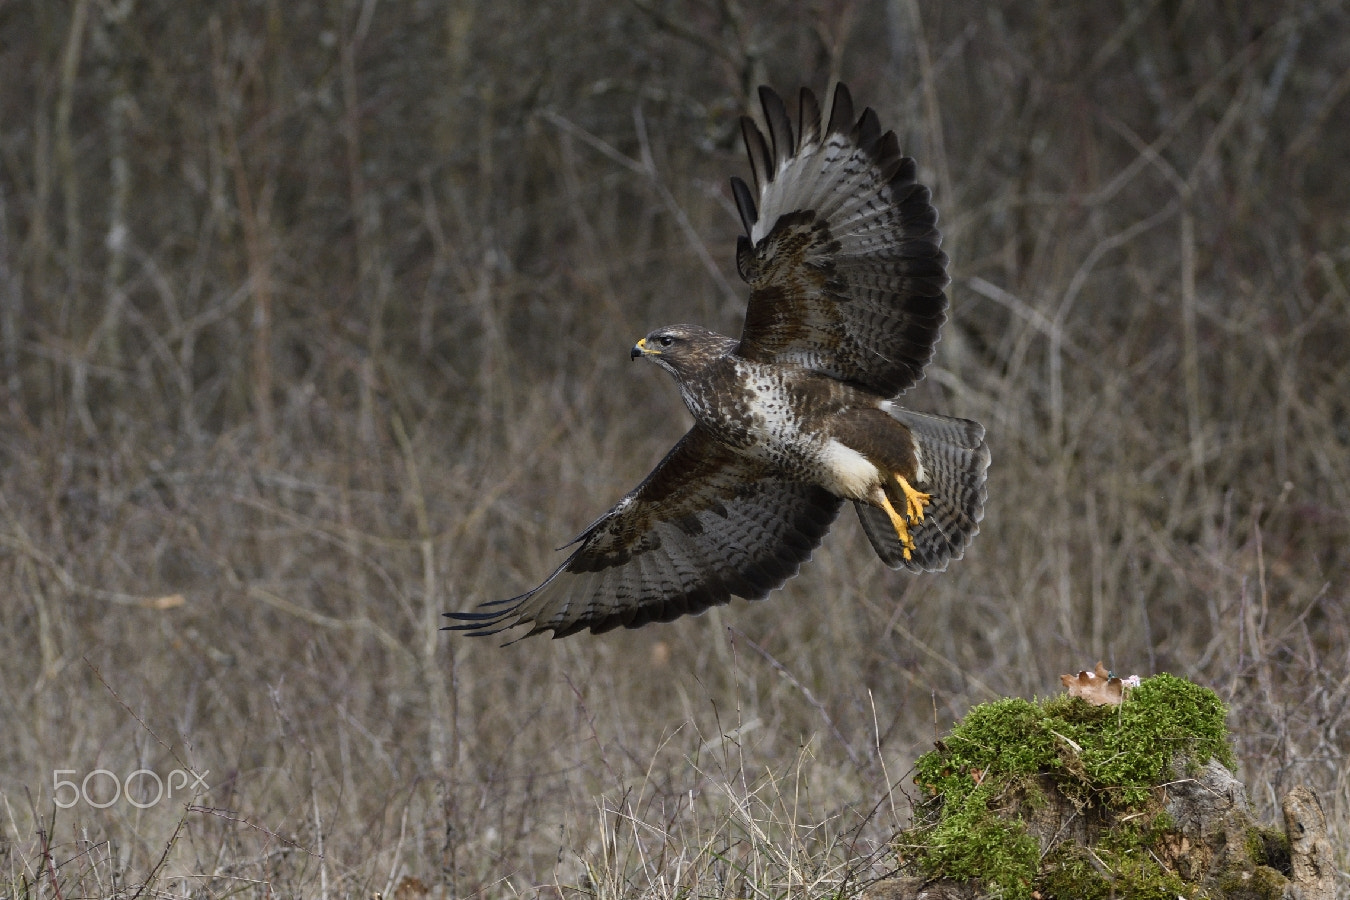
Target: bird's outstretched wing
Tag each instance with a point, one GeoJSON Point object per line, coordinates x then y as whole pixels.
{"type": "Point", "coordinates": [841, 248]}
{"type": "Point", "coordinates": [704, 525]}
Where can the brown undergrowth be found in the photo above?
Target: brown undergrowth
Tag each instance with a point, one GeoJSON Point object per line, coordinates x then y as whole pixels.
{"type": "Point", "coordinates": [314, 324]}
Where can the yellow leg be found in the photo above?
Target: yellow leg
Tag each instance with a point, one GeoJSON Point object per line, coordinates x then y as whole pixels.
{"type": "Point", "coordinates": [915, 501]}
{"type": "Point", "coordinates": [900, 524]}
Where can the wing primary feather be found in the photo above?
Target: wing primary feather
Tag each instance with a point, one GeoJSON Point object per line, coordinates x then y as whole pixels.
{"type": "Point", "coordinates": [473, 617]}
{"type": "Point", "coordinates": [868, 130]}
{"type": "Point", "coordinates": [745, 203]}
{"type": "Point", "coordinates": [761, 164]}
{"type": "Point", "coordinates": [905, 175]}
{"type": "Point", "coordinates": [889, 160]}
{"type": "Point", "coordinates": [780, 127]}
{"type": "Point", "coordinates": [841, 111]}
{"type": "Point", "coordinates": [808, 120]}
{"type": "Point", "coordinates": [479, 624]}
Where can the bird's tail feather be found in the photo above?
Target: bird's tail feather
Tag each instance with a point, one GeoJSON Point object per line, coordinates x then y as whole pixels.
{"type": "Point", "coordinates": [955, 460]}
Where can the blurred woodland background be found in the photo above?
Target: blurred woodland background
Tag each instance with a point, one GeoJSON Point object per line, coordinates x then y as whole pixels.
{"type": "Point", "coordinates": [314, 324]}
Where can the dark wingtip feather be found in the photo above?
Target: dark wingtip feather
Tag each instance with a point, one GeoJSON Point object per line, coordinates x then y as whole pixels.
{"type": "Point", "coordinates": [475, 630]}
{"type": "Point", "coordinates": [904, 177]}
{"type": "Point", "coordinates": [780, 127]}
{"type": "Point", "coordinates": [474, 619]}
{"type": "Point", "coordinates": [841, 111]}
{"type": "Point", "coordinates": [808, 119]}
{"type": "Point", "coordinates": [484, 621]}
{"type": "Point", "coordinates": [888, 159]}
{"type": "Point", "coordinates": [761, 164]}
{"type": "Point", "coordinates": [745, 203]}
{"type": "Point", "coordinates": [868, 130]}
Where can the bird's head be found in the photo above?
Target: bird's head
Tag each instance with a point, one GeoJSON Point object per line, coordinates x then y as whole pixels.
{"type": "Point", "coordinates": [681, 349]}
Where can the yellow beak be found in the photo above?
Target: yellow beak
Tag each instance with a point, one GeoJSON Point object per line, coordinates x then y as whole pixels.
{"type": "Point", "coordinates": [641, 349]}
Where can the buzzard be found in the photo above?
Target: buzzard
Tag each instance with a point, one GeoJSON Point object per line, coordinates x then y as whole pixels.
{"type": "Point", "coordinates": [798, 415]}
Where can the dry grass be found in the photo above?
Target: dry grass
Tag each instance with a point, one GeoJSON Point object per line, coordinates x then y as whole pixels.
{"type": "Point", "coordinates": [316, 319]}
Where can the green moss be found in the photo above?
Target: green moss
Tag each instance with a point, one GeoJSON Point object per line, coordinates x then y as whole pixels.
{"type": "Point", "coordinates": [969, 841]}
{"type": "Point", "coordinates": [1070, 875]}
{"type": "Point", "coordinates": [1139, 877]}
{"type": "Point", "coordinates": [1120, 752]}
{"type": "Point", "coordinates": [1103, 758]}
{"type": "Point", "coordinates": [1262, 883]}
{"type": "Point", "coordinates": [1269, 847]}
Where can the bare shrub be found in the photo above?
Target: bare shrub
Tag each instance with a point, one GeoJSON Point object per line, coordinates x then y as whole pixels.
{"type": "Point", "coordinates": [314, 323]}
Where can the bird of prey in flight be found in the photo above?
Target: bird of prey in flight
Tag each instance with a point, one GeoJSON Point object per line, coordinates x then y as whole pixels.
{"type": "Point", "coordinates": [798, 415]}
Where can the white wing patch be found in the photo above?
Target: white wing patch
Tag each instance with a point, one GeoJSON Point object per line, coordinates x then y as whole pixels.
{"type": "Point", "coordinates": [835, 178]}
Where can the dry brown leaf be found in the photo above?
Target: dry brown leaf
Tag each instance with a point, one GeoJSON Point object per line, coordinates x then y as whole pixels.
{"type": "Point", "coordinates": [1100, 688]}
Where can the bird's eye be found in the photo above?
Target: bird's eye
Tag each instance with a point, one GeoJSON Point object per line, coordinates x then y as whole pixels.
{"type": "Point", "coordinates": [666, 340]}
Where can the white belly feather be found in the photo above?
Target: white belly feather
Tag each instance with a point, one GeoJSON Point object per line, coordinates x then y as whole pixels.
{"type": "Point", "coordinates": [838, 468]}
{"type": "Point", "coordinates": [853, 475]}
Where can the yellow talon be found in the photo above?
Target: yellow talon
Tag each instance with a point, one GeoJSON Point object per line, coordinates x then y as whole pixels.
{"type": "Point", "coordinates": [899, 524]}
{"type": "Point", "coordinates": [915, 501]}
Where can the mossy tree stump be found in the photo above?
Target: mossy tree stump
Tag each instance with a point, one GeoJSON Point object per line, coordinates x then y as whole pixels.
{"type": "Point", "coordinates": [1062, 799]}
